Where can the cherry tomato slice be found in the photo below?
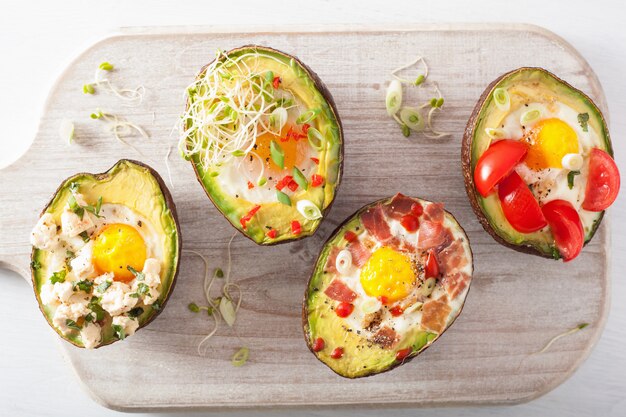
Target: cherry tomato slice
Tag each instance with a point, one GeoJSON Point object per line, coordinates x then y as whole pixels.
{"type": "Point", "coordinates": [519, 205]}
{"type": "Point", "coordinates": [431, 270]}
{"type": "Point", "coordinates": [403, 353]}
{"type": "Point", "coordinates": [566, 226]}
{"type": "Point", "coordinates": [602, 183]}
{"type": "Point", "coordinates": [496, 163]}
{"type": "Point", "coordinates": [344, 309]}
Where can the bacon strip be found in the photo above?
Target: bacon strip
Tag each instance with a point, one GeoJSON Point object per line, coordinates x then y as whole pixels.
{"type": "Point", "coordinates": [360, 253]}
{"type": "Point", "coordinates": [452, 257]}
{"type": "Point", "coordinates": [374, 221]}
{"type": "Point", "coordinates": [455, 283]}
{"type": "Point", "coordinates": [435, 314]}
{"type": "Point", "coordinates": [339, 291]}
{"type": "Point", "coordinates": [430, 235]}
{"type": "Point", "coordinates": [398, 206]}
{"type": "Point", "coordinates": [331, 261]}
{"type": "Point", "coordinates": [434, 212]}
{"type": "Point", "coordinates": [386, 337]}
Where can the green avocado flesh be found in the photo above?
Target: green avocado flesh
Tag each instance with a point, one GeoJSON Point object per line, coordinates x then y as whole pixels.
{"type": "Point", "coordinates": [135, 186]}
{"type": "Point", "coordinates": [361, 355]}
{"type": "Point", "coordinates": [531, 85]}
{"type": "Point", "coordinates": [273, 214]}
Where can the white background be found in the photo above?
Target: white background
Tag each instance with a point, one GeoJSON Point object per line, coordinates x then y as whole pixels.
{"type": "Point", "coordinates": [39, 38]}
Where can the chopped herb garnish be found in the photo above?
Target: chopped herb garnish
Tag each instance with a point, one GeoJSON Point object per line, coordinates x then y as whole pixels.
{"type": "Point", "coordinates": [307, 116]}
{"type": "Point", "coordinates": [142, 288]}
{"type": "Point", "coordinates": [135, 312]}
{"type": "Point", "coordinates": [583, 120]}
{"type": "Point", "coordinates": [103, 286]}
{"type": "Point", "coordinates": [277, 154]}
{"type": "Point", "coordinates": [84, 285]}
{"type": "Point", "coordinates": [193, 307]}
{"type": "Point", "coordinates": [35, 264]}
{"type": "Point", "coordinates": [570, 178]}
{"type": "Point", "coordinates": [95, 210]}
{"type": "Point", "coordinates": [156, 305]}
{"type": "Point", "coordinates": [58, 276]}
{"type": "Point", "coordinates": [85, 236]}
{"type": "Point", "coordinates": [72, 324]}
{"type": "Point", "coordinates": [69, 255]}
{"type": "Point", "coordinates": [134, 295]}
{"type": "Point", "coordinates": [299, 177]}
{"type": "Point", "coordinates": [89, 318]}
{"type": "Point", "coordinates": [96, 308]}
{"type": "Point", "coordinates": [139, 275]}
{"type": "Point", "coordinates": [283, 198]}
{"type": "Point", "coordinates": [74, 186]}
{"type": "Point", "coordinates": [119, 331]}
{"type": "Point", "coordinates": [75, 207]}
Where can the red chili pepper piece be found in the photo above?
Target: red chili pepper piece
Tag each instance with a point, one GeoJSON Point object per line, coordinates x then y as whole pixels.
{"type": "Point", "coordinates": [432, 266]}
{"type": "Point", "coordinates": [337, 353]}
{"type": "Point", "coordinates": [296, 229]}
{"type": "Point", "coordinates": [318, 344]}
{"type": "Point", "coordinates": [248, 216]}
{"type": "Point", "coordinates": [344, 309]}
{"type": "Point", "coordinates": [383, 299]}
{"type": "Point", "coordinates": [305, 128]}
{"type": "Point", "coordinates": [350, 236]}
{"type": "Point", "coordinates": [271, 233]}
{"type": "Point", "coordinates": [250, 185]}
{"type": "Point", "coordinates": [316, 160]}
{"type": "Point", "coordinates": [403, 353]}
{"type": "Point", "coordinates": [417, 209]}
{"type": "Point", "coordinates": [276, 81]}
{"type": "Point", "coordinates": [284, 182]}
{"type": "Point", "coordinates": [316, 180]}
{"type": "Point", "coordinates": [410, 222]}
{"type": "Point", "coordinates": [293, 186]}
{"type": "Point", "coordinates": [396, 311]}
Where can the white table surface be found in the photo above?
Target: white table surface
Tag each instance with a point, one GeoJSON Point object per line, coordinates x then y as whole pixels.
{"type": "Point", "coordinates": [39, 38]}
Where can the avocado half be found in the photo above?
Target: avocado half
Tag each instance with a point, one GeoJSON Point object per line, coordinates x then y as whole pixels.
{"type": "Point", "coordinates": [311, 90]}
{"type": "Point", "coordinates": [141, 188]}
{"type": "Point", "coordinates": [362, 358]}
{"type": "Point", "coordinates": [530, 84]}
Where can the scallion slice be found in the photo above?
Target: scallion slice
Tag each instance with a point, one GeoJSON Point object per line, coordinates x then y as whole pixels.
{"type": "Point", "coordinates": [530, 116]}
{"type": "Point", "coordinates": [240, 357]}
{"type": "Point", "coordinates": [316, 139]}
{"type": "Point", "coordinates": [277, 154]}
{"type": "Point", "coordinates": [502, 99]}
{"type": "Point", "coordinates": [393, 101]}
{"type": "Point", "coordinates": [299, 177]}
{"type": "Point", "coordinates": [495, 133]}
{"type": "Point", "coordinates": [278, 118]}
{"type": "Point", "coordinates": [283, 198]}
{"type": "Point", "coordinates": [412, 118]}
{"type": "Point", "coordinates": [307, 116]}
{"type": "Point", "coordinates": [308, 210]}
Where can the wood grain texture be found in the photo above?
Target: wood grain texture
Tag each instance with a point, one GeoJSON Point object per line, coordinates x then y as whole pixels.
{"type": "Point", "coordinates": [517, 302]}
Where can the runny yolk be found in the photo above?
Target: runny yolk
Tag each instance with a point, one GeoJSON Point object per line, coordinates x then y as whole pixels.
{"type": "Point", "coordinates": [289, 147]}
{"type": "Point", "coordinates": [389, 274]}
{"type": "Point", "coordinates": [550, 140]}
{"type": "Point", "coordinates": [117, 247]}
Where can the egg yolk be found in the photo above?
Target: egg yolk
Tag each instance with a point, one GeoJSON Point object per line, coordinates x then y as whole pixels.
{"type": "Point", "coordinates": [550, 140]}
{"type": "Point", "coordinates": [388, 273]}
{"type": "Point", "coordinates": [289, 147]}
{"type": "Point", "coordinates": [117, 247]}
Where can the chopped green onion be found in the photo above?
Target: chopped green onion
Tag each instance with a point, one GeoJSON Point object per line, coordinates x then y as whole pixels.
{"type": "Point", "coordinates": [316, 140]}
{"type": "Point", "coordinates": [530, 116]}
{"type": "Point", "coordinates": [307, 116]}
{"type": "Point", "coordinates": [299, 178]}
{"type": "Point", "coordinates": [262, 182]}
{"type": "Point", "coordinates": [72, 324]}
{"type": "Point", "coordinates": [572, 161]}
{"type": "Point", "coordinates": [278, 118]}
{"type": "Point", "coordinates": [502, 99]}
{"type": "Point", "coordinates": [269, 77]}
{"type": "Point", "coordinates": [240, 357]}
{"type": "Point", "coordinates": [283, 198]}
{"type": "Point", "coordinates": [119, 331]}
{"type": "Point", "coordinates": [428, 287]}
{"type": "Point", "coordinates": [193, 307]}
{"type": "Point", "coordinates": [277, 154]}
{"type": "Point", "coordinates": [308, 210]}
{"type": "Point", "coordinates": [106, 66]}
{"type": "Point", "coordinates": [58, 276]}
{"type": "Point", "coordinates": [393, 101]}
{"type": "Point", "coordinates": [496, 133]}
{"type": "Point", "coordinates": [88, 89]}
{"type": "Point", "coordinates": [238, 153]}
{"type": "Point", "coordinates": [419, 80]}
{"type": "Point", "coordinates": [412, 118]}
{"type": "Point", "coordinates": [570, 178]}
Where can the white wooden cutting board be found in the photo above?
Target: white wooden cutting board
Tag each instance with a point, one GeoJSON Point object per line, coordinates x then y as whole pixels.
{"type": "Point", "coordinates": [516, 304]}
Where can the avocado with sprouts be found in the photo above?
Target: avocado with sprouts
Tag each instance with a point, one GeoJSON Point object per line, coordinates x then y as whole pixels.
{"type": "Point", "coordinates": [105, 254]}
{"type": "Point", "coordinates": [263, 135]}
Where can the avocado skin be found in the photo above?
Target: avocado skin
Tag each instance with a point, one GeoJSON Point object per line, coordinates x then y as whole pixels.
{"type": "Point", "coordinates": [321, 87]}
{"type": "Point", "coordinates": [468, 175]}
{"type": "Point", "coordinates": [305, 311]}
{"type": "Point", "coordinates": [169, 202]}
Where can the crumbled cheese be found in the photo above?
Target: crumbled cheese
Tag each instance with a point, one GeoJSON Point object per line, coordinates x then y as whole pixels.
{"type": "Point", "coordinates": [48, 295]}
{"type": "Point", "coordinates": [151, 270]}
{"type": "Point", "coordinates": [117, 299]}
{"type": "Point", "coordinates": [72, 225]}
{"type": "Point", "coordinates": [129, 325]}
{"type": "Point", "coordinates": [66, 312]}
{"type": "Point", "coordinates": [91, 335]}
{"type": "Point", "coordinates": [152, 266]}
{"type": "Point", "coordinates": [82, 267]}
{"type": "Point", "coordinates": [44, 234]}
{"type": "Point", "coordinates": [152, 296]}
{"type": "Point", "coordinates": [64, 290]}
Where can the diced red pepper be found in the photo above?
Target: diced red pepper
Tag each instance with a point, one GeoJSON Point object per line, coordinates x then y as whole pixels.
{"type": "Point", "coordinates": [396, 311]}
{"type": "Point", "coordinates": [432, 266]}
{"type": "Point", "coordinates": [293, 185]}
{"type": "Point", "coordinates": [350, 236]}
{"type": "Point", "coordinates": [344, 309]}
{"type": "Point", "coordinates": [316, 180]}
{"type": "Point", "coordinates": [305, 128]}
{"type": "Point", "coordinates": [276, 81]}
{"type": "Point", "coordinates": [316, 160]}
{"type": "Point", "coordinates": [296, 229]}
{"type": "Point", "coordinates": [318, 344]}
{"type": "Point", "coordinates": [402, 354]}
{"type": "Point", "coordinates": [248, 216]}
{"type": "Point", "coordinates": [284, 182]}
{"type": "Point", "coordinates": [271, 233]}
{"type": "Point", "coordinates": [337, 353]}
{"type": "Point", "coordinates": [410, 222]}
{"type": "Point", "coordinates": [250, 185]}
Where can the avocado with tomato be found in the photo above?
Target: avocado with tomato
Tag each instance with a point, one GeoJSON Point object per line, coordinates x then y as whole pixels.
{"type": "Point", "coordinates": [538, 164]}
{"type": "Point", "coordinates": [265, 140]}
{"type": "Point", "coordinates": [388, 282]}
{"type": "Point", "coordinates": [105, 254]}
